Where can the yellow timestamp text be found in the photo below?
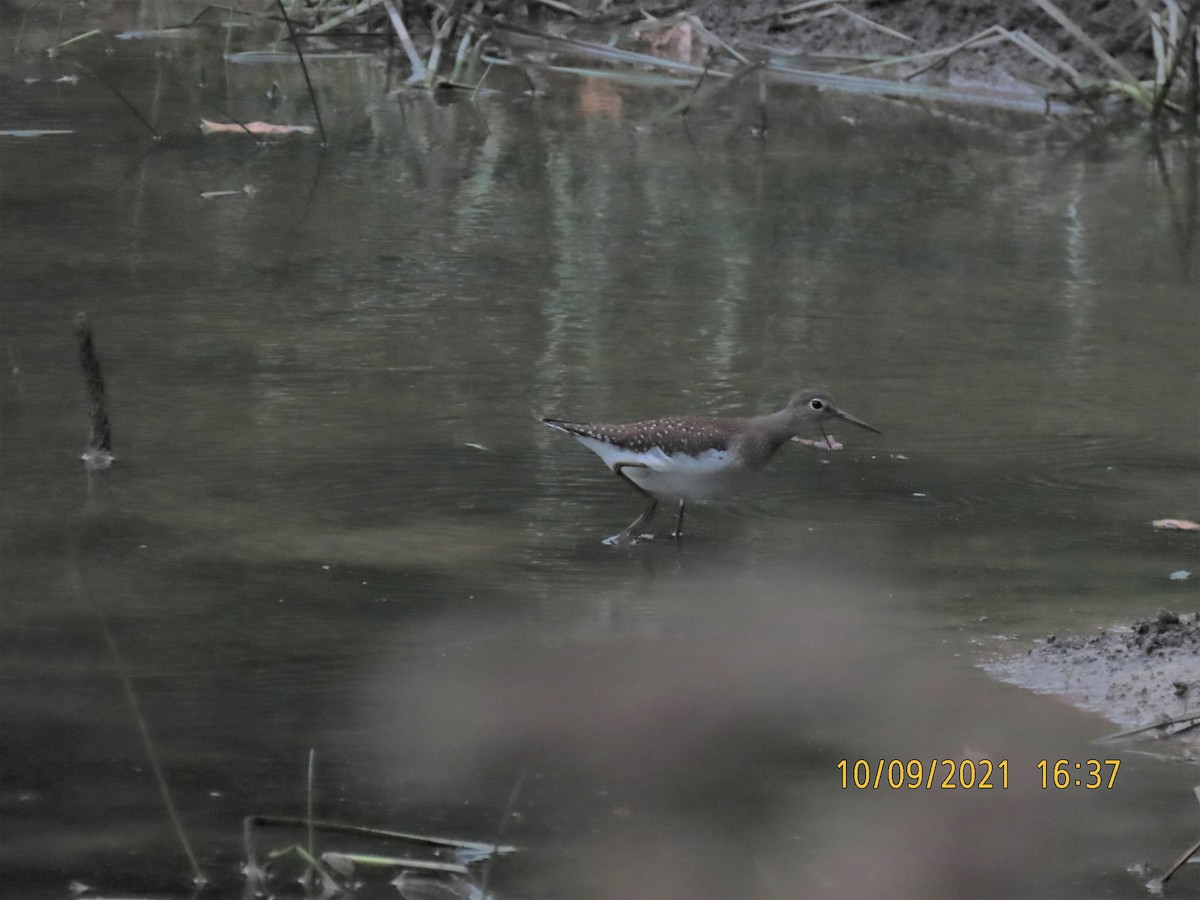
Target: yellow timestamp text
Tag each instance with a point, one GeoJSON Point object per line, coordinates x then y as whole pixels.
{"type": "Point", "coordinates": [1091, 774]}
{"type": "Point", "coordinates": [923, 774]}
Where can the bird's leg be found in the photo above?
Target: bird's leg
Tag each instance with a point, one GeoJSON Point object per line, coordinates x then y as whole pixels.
{"type": "Point", "coordinates": [678, 532]}
{"type": "Point", "coordinates": [647, 512]}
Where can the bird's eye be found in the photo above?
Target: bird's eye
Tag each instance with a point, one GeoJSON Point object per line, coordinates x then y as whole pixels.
{"type": "Point", "coordinates": [816, 404]}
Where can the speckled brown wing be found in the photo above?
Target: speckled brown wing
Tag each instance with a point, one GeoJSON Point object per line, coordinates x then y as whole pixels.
{"type": "Point", "coordinates": [685, 434]}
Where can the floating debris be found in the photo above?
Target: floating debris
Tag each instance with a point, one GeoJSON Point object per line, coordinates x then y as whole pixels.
{"type": "Point", "coordinates": [273, 57]}
{"type": "Point", "coordinates": [255, 128]}
{"type": "Point", "coordinates": [176, 32]}
{"type": "Point", "coordinates": [33, 132]}
{"type": "Point", "coordinates": [364, 859]}
{"type": "Point", "coordinates": [1176, 524]}
{"type": "Point", "coordinates": [246, 190]}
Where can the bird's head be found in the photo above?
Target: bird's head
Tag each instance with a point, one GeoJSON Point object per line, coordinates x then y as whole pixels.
{"type": "Point", "coordinates": [811, 408]}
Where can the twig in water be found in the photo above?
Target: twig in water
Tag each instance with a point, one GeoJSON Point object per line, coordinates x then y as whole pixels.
{"type": "Point", "coordinates": [53, 51]}
{"type": "Point", "coordinates": [687, 104]}
{"type": "Point", "coordinates": [1179, 864]}
{"type": "Point", "coordinates": [98, 453]}
{"type": "Point", "coordinates": [508, 811]}
{"type": "Point", "coordinates": [122, 671]}
{"type": "Point", "coordinates": [311, 840]}
{"type": "Point", "coordinates": [1191, 719]}
{"type": "Point", "coordinates": [133, 109]}
{"type": "Point", "coordinates": [760, 131]}
{"type": "Point", "coordinates": [253, 822]}
{"type": "Point", "coordinates": [482, 79]}
{"type": "Point", "coordinates": [312, 94]}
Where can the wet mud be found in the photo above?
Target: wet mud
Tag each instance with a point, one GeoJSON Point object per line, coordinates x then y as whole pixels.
{"type": "Point", "coordinates": [1137, 675]}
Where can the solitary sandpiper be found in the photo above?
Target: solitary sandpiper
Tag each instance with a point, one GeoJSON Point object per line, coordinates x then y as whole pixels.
{"type": "Point", "coordinates": [697, 457]}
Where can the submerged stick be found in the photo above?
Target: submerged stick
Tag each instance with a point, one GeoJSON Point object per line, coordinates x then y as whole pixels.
{"type": "Point", "coordinates": [686, 106]}
{"type": "Point", "coordinates": [252, 822]}
{"type": "Point", "coordinates": [312, 94]}
{"type": "Point", "coordinates": [1190, 719]}
{"type": "Point", "coordinates": [760, 132]}
{"type": "Point", "coordinates": [122, 671]}
{"type": "Point", "coordinates": [133, 109]}
{"type": "Point", "coordinates": [1179, 864]}
{"type": "Point", "coordinates": [504, 816]}
{"type": "Point", "coordinates": [98, 453]}
{"type": "Point", "coordinates": [312, 762]}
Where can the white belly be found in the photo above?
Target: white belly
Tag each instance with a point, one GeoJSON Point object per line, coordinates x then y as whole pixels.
{"type": "Point", "coordinates": [679, 477]}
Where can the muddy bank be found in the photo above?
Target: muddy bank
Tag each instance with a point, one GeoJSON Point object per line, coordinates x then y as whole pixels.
{"type": "Point", "coordinates": [1120, 29]}
{"type": "Point", "coordinates": [1143, 674]}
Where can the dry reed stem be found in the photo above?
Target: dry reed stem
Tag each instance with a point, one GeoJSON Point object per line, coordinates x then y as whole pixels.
{"type": "Point", "coordinates": [988, 34]}
{"type": "Point", "coordinates": [406, 41]}
{"type": "Point", "coordinates": [342, 18]}
{"type": "Point", "coordinates": [1086, 39]}
{"type": "Point", "coordinates": [561, 7]}
{"type": "Point", "coordinates": [782, 14]}
{"type": "Point", "coordinates": [871, 23]}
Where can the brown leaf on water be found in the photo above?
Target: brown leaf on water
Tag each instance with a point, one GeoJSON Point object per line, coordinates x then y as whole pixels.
{"type": "Point", "coordinates": [256, 128]}
{"type": "Point", "coordinates": [1176, 524]}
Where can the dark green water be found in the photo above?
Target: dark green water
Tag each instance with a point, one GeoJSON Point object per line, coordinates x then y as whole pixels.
{"type": "Point", "coordinates": [336, 524]}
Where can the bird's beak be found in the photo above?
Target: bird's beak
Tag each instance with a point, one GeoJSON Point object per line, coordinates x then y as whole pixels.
{"type": "Point", "coordinates": [849, 418]}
